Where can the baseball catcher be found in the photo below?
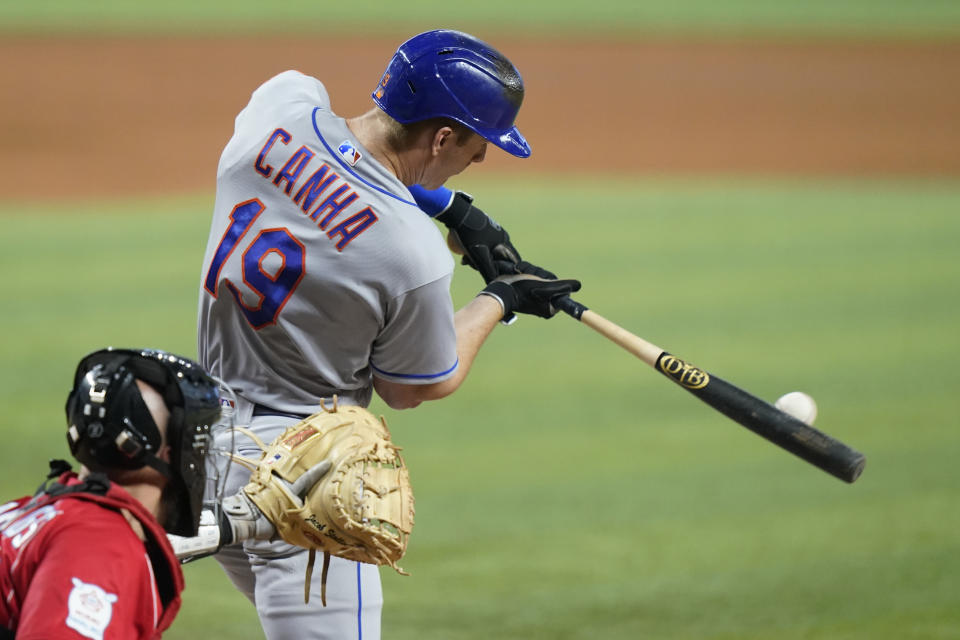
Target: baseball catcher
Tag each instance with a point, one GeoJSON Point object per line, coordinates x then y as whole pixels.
{"type": "Point", "coordinates": [334, 482]}
{"type": "Point", "coordinates": [87, 555]}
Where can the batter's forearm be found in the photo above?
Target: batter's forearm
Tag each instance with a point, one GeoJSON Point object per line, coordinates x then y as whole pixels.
{"type": "Point", "coordinates": [473, 324]}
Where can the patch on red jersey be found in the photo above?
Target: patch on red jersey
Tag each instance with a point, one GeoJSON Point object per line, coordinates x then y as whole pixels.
{"type": "Point", "coordinates": [89, 609]}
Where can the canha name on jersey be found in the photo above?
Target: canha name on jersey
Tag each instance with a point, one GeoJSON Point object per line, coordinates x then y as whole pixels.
{"type": "Point", "coordinates": [323, 196]}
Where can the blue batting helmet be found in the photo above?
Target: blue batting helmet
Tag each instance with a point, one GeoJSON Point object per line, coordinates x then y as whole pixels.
{"type": "Point", "coordinates": [451, 74]}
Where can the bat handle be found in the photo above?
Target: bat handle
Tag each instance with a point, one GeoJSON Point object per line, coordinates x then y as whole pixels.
{"type": "Point", "coordinates": [646, 351]}
{"type": "Point", "coordinates": [570, 307]}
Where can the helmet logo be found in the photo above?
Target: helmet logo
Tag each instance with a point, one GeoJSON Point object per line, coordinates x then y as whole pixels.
{"type": "Point", "coordinates": [383, 82]}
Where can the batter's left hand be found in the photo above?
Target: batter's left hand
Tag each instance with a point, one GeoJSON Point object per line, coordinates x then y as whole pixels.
{"type": "Point", "coordinates": [485, 245]}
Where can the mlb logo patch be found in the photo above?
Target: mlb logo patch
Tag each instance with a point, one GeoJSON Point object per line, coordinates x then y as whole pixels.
{"type": "Point", "coordinates": [349, 153]}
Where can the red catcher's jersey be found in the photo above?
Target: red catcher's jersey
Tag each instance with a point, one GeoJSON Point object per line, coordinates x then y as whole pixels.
{"type": "Point", "coordinates": [71, 566]}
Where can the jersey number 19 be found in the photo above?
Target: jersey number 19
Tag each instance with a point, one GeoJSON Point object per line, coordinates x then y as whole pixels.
{"type": "Point", "coordinates": [272, 286]}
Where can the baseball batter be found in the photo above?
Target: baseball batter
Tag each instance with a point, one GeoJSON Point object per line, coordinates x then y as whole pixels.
{"type": "Point", "coordinates": [323, 277]}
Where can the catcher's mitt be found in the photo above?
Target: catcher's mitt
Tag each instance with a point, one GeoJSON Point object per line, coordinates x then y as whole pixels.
{"type": "Point", "coordinates": [361, 508]}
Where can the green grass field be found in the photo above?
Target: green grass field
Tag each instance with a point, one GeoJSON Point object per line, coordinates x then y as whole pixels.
{"type": "Point", "coordinates": [568, 491]}
{"type": "Point", "coordinates": [917, 18]}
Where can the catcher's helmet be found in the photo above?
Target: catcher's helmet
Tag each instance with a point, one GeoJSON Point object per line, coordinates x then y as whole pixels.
{"type": "Point", "coordinates": [110, 427]}
{"type": "Point", "coordinates": [451, 74]}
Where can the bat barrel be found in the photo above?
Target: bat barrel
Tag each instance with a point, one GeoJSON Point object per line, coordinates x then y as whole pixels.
{"type": "Point", "coordinates": [762, 418]}
{"type": "Point", "coordinates": [785, 431]}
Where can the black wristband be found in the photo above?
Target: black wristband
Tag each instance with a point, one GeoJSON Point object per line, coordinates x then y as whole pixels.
{"type": "Point", "coordinates": [504, 293]}
{"type": "Point", "coordinates": [454, 215]}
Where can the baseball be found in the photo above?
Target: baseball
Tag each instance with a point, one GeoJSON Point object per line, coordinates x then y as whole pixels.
{"type": "Point", "coordinates": [799, 405]}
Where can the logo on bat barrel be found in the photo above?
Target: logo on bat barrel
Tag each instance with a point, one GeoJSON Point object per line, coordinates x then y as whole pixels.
{"type": "Point", "coordinates": [685, 374]}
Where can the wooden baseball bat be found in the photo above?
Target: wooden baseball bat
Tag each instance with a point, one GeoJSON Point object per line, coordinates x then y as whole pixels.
{"type": "Point", "coordinates": [762, 418]}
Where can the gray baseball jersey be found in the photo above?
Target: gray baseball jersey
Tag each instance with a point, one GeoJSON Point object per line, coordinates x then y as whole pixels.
{"type": "Point", "coordinates": [320, 270]}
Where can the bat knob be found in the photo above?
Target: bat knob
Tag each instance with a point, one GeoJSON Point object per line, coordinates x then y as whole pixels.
{"type": "Point", "coordinates": [570, 306]}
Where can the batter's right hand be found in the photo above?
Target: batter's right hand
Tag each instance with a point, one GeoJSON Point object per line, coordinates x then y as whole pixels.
{"type": "Point", "coordinates": [533, 291]}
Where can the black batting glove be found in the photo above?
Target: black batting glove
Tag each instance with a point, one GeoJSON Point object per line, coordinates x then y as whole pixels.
{"type": "Point", "coordinates": [486, 245]}
{"type": "Point", "coordinates": [530, 293]}
{"type": "Point", "coordinates": [530, 269]}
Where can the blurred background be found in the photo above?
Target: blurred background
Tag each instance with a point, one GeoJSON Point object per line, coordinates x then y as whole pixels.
{"type": "Point", "coordinates": [767, 189]}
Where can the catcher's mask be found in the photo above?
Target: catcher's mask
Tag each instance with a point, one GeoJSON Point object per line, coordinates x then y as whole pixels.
{"type": "Point", "coordinates": [110, 427]}
{"type": "Point", "coordinates": [451, 74]}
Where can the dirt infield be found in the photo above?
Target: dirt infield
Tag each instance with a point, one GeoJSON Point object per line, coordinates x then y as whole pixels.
{"type": "Point", "coordinates": [90, 117]}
